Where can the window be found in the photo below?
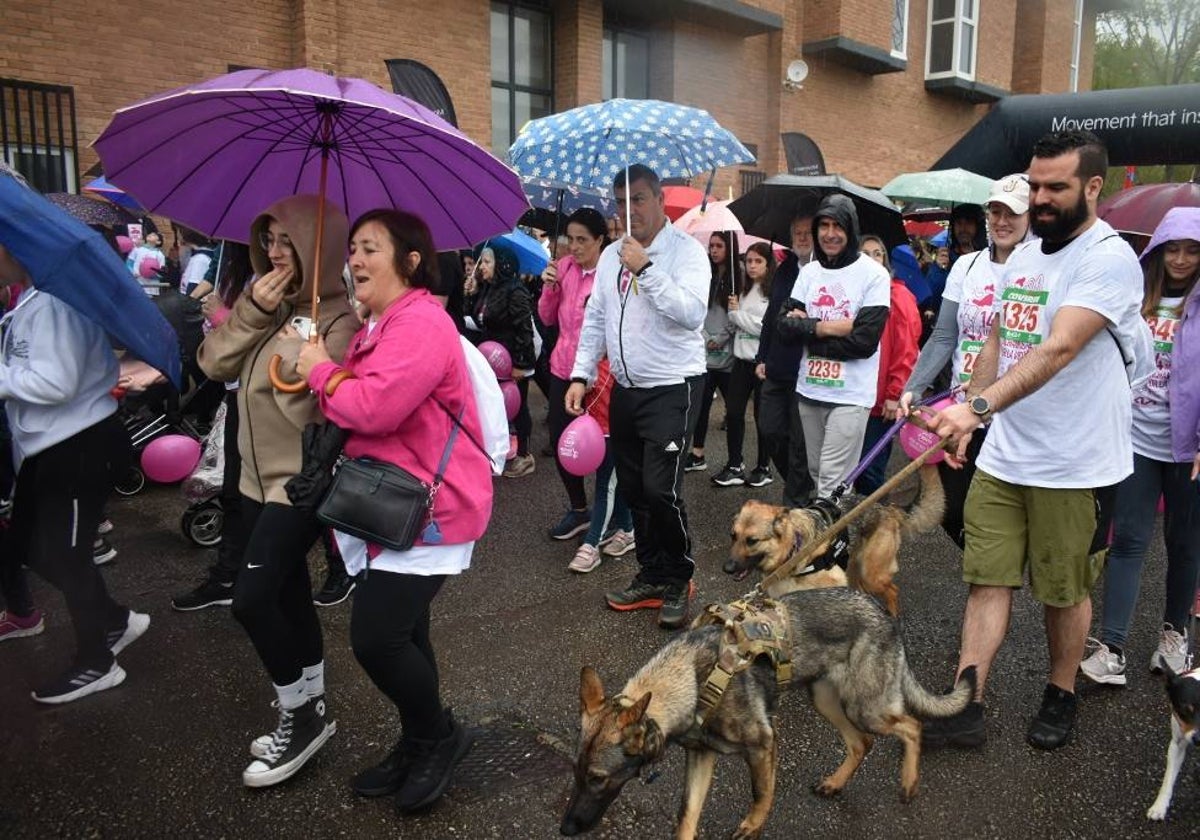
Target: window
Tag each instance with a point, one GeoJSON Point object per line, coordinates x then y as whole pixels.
{"type": "Point", "coordinates": [900, 29]}
{"type": "Point", "coordinates": [1076, 43]}
{"type": "Point", "coordinates": [953, 39]}
{"type": "Point", "coordinates": [37, 134]}
{"type": "Point", "coordinates": [522, 70]}
{"type": "Point", "coordinates": [626, 72]}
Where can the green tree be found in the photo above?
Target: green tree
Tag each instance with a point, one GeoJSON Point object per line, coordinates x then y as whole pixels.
{"type": "Point", "coordinates": [1157, 42]}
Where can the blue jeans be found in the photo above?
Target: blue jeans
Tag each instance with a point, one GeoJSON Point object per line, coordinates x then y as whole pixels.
{"type": "Point", "coordinates": [875, 474]}
{"type": "Point", "coordinates": [1133, 525]}
{"type": "Point", "coordinates": [609, 506]}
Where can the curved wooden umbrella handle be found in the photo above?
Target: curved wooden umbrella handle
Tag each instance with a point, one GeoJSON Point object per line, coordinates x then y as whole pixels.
{"type": "Point", "coordinates": [277, 380]}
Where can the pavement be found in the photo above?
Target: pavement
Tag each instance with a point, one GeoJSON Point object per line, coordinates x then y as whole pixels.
{"type": "Point", "coordinates": [161, 755]}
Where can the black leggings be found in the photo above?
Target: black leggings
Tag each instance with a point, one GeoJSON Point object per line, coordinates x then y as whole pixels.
{"type": "Point", "coordinates": [389, 631]}
{"type": "Point", "coordinates": [273, 595]}
{"type": "Point", "coordinates": [57, 508]}
{"type": "Point", "coordinates": [559, 420]}
{"type": "Point", "coordinates": [714, 380]}
{"type": "Point", "coordinates": [744, 386]}
{"type": "Point", "coordinates": [522, 424]}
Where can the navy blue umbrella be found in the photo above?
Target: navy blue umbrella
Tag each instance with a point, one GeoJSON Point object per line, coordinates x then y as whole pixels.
{"type": "Point", "coordinates": [69, 260]}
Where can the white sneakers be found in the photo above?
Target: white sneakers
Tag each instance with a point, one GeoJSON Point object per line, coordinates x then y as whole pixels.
{"type": "Point", "coordinates": [1172, 649]}
{"type": "Point", "coordinates": [1108, 668]}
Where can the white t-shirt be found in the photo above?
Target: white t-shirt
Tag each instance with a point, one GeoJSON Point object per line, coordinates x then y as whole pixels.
{"type": "Point", "coordinates": [972, 285]}
{"type": "Point", "coordinates": [1074, 431]}
{"type": "Point", "coordinates": [193, 274]}
{"type": "Point", "coordinates": [1151, 406]}
{"type": "Point", "coordinates": [834, 294]}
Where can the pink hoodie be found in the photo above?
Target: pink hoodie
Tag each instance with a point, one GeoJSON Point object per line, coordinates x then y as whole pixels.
{"type": "Point", "coordinates": [562, 303]}
{"type": "Point", "coordinates": [409, 359]}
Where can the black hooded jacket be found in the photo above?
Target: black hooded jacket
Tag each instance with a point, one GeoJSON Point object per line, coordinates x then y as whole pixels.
{"type": "Point", "coordinates": [503, 309]}
{"type": "Point", "coordinates": [863, 340]}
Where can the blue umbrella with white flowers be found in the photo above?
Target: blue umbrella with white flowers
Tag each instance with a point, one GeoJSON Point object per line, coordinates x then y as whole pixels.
{"type": "Point", "coordinates": [587, 146]}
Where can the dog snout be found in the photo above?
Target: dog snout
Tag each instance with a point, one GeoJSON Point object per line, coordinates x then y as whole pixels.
{"type": "Point", "coordinates": [731, 566]}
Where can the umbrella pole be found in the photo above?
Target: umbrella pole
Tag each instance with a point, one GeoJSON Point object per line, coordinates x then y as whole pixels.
{"type": "Point", "coordinates": [273, 371]}
{"type": "Point", "coordinates": [557, 224]}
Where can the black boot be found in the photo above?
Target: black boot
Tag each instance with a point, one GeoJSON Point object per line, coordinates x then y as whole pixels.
{"type": "Point", "coordinates": [384, 778]}
{"type": "Point", "coordinates": [430, 766]}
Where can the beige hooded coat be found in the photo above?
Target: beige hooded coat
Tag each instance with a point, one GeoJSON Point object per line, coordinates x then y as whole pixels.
{"type": "Point", "coordinates": [271, 422]}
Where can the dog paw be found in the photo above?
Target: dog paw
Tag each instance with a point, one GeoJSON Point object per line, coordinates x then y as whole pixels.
{"type": "Point", "coordinates": [907, 796]}
{"type": "Point", "coordinates": [1157, 812]}
{"type": "Point", "coordinates": [744, 832]}
{"type": "Point", "coordinates": [826, 789]}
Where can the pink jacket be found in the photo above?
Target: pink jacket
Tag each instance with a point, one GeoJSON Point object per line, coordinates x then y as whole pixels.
{"type": "Point", "coordinates": [562, 303]}
{"type": "Point", "coordinates": [410, 359]}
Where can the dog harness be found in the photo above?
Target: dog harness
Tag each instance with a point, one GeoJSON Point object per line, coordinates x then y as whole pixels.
{"type": "Point", "coordinates": [753, 626]}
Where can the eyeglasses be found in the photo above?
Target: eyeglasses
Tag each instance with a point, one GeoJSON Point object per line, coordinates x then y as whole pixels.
{"type": "Point", "coordinates": [267, 241]}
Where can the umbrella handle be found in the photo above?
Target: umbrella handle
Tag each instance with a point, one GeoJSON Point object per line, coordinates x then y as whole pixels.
{"type": "Point", "coordinates": [277, 380]}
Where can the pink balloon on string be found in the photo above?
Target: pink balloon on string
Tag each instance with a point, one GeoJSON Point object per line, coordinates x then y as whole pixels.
{"type": "Point", "coordinates": [170, 458]}
{"type": "Point", "coordinates": [124, 244]}
{"type": "Point", "coordinates": [512, 398]}
{"type": "Point", "coordinates": [914, 440]}
{"type": "Point", "coordinates": [148, 267]}
{"type": "Point", "coordinates": [581, 447]}
{"type": "Point", "coordinates": [498, 357]}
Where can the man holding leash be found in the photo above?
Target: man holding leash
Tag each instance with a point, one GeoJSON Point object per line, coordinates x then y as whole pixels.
{"type": "Point", "coordinates": [645, 313]}
{"type": "Point", "coordinates": [1053, 377]}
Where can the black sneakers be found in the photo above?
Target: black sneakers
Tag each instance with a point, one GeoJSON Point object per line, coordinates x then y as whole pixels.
{"type": "Point", "coordinates": [695, 463]}
{"type": "Point", "coordinates": [673, 614]}
{"type": "Point", "coordinates": [301, 732]}
{"type": "Point", "coordinates": [573, 523]}
{"type": "Point", "coordinates": [337, 588]}
{"type": "Point", "coordinates": [1051, 728]}
{"type": "Point", "coordinates": [759, 477]}
{"type": "Point", "coordinates": [431, 764]}
{"type": "Point", "coordinates": [638, 595]}
{"type": "Point", "coordinates": [77, 682]}
{"type": "Point", "coordinates": [386, 777]}
{"type": "Point", "coordinates": [965, 729]}
{"type": "Point", "coordinates": [210, 593]}
{"type": "Point", "coordinates": [102, 551]}
{"type": "Point", "coordinates": [734, 475]}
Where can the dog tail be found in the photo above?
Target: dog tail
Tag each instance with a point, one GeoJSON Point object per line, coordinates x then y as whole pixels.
{"type": "Point", "coordinates": [927, 513]}
{"type": "Point", "coordinates": [922, 703]}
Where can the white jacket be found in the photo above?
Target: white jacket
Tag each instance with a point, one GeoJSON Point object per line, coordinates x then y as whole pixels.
{"type": "Point", "coordinates": [748, 318]}
{"type": "Point", "coordinates": [57, 373]}
{"type": "Point", "coordinates": [651, 329]}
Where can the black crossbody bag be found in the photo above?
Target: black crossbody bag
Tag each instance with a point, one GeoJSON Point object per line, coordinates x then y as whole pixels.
{"type": "Point", "coordinates": [382, 503]}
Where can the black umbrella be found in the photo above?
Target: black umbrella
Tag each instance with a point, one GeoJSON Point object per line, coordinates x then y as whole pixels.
{"type": "Point", "coordinates": [768, 209]}
{"type": "Point", "coordinates": [91, 211]}
{"type": "Point", "coordinates": [321, 444]}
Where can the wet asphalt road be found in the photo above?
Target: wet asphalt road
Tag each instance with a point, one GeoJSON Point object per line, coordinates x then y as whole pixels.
{"type": "Point", "coordinates": [161, 755]}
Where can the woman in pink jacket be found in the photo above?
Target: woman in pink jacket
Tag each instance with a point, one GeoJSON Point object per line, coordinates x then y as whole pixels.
{"type": "Point", "coordinates": [401, 391]}
{"type": "Point", "coordinates": [565, 290]}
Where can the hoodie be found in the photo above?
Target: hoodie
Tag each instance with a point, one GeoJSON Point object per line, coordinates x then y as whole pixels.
{"type": "Point", "coordinates": [504, 309]}
{"type": "Point", "coordinates": [242, 347]}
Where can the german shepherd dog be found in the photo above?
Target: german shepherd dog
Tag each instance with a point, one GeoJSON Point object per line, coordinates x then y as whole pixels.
{"type": "Point", "coordinates": [845, 650]}
{"type": "Point", "coordinates": [766, 536]}
{"type": "Point", "coordinates": [1184, 693]}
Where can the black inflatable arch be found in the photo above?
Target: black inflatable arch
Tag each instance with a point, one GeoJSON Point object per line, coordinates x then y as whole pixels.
{"type": "Point", "coordinates": [1141, 127]}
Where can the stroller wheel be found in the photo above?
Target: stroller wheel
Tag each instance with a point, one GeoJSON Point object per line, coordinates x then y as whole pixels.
{"type": "Point", "coordinates": [131, 483]}
{"type": "Point", "coordinates": [202, 523]}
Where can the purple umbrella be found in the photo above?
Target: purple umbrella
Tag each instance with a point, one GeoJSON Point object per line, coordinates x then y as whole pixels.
{"type": "Point", "coordinates": [215, 154]}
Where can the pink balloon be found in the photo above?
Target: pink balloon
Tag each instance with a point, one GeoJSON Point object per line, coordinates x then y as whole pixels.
{"type": "Point", "coordinates": [497, 356]}
{"type": "Point", "coordinates": [581, 447]}
{"type": "Point", "coordinates": [148, 267]}
{"type": "Point", "coordinates": [124, 244]}
{"type": "Point", "coordinates": [512, 398]}
{"type": "Point", "coordinates": [170, 458]}
{"type": "Point", "coordinates": [914, 440]}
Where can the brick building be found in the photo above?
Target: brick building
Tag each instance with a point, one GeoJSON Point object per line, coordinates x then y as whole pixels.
{"type": "Point", "coordinates": [891, 83]}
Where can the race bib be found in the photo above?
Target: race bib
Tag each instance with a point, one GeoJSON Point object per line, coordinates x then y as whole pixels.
{"type": "Point", "coordinates": [1162, 327]}
{"type": "Point", "coordinates": [1022, 313]}
{"type": "Point", "coordinates": [970, 352]}
{"type": "Point", "coordinates": [826, 373]}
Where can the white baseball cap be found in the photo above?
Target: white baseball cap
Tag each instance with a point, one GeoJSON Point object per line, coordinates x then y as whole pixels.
{"type": "Point", "coordinates": [1013, 192]}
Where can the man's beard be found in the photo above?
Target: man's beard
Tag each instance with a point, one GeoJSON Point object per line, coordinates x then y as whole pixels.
{"type": "Point", "coordinates": [1063, 222]}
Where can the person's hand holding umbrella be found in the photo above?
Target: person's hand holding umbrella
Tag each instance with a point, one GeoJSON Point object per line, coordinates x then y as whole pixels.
{"type": "Point", "coordinates": [311, 354]}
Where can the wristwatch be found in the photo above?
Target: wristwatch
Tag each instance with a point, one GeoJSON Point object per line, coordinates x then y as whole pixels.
{"type": "Point", "coordinates": [980, 407]}
{"type": "Point", "coordinates": [642, 270]}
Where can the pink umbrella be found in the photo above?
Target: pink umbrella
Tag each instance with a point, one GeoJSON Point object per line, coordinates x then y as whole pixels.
{"type": "Point", "coordinates": [1140, 209]}
{"type": "Point", "coordinates": [704, 220]}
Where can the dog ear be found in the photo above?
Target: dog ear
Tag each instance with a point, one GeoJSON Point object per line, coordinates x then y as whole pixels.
{"type": "Point", "coordinates": [591, 691]}
{"type": "Point", "coordinates": [635, 712]}
{"type": "Point", "coordinates": [779, 522]}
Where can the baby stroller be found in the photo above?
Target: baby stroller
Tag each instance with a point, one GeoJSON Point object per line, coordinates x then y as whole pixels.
{"type": "Point", "coordinates": [202, 520]}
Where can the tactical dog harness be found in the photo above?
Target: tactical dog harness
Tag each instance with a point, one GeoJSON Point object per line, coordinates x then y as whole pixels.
{"type": "Point", "coordinates": [753, 626]}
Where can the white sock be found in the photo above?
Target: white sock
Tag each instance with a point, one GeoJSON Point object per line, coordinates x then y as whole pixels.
{"type": "Point", "coordinates": [291, 696]}
{"type": "Point", "coordinates": [314, 680]}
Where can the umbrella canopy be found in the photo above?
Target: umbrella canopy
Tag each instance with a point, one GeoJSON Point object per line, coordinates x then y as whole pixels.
{"type": "Point", "coordinates": [677, 200]}
{"type": "Point", "coordinates": [215, 154]}
{"type": "Point", "coordinates": [554, 202]}
{"type": "Point", "coordinates": [589, 145]}
{"type": "Point", "coordinates": [1140, 209]}
{"type": "Point", "coordinates": [113, 193]}
{"type": "Point", "coordinates": [768, 209]}
{"type": "Point", "coordinates": [531, 256]}
{"type": "Point", "coordinates": [91, 211]}
{"type": "Point", "coordinates": [702, 222]}
{"type": "Point", "coordinates": [67, 259]}
{"type": "Point", "coordinates": [941, 186]}
{"type": "Point", "coordinates": [916, 227]}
